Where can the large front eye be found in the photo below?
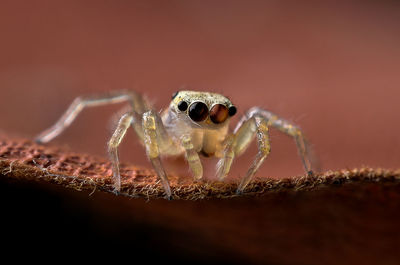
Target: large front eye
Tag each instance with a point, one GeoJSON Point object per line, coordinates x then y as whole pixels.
{"type": "Point", "coordinates": [198, 111]}
{"type": "Point", "coordinates": [218, 113]}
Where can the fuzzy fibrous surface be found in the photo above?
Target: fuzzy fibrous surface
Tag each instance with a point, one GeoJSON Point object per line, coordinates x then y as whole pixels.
{"type": "Point", "coordinates": [24, 159]}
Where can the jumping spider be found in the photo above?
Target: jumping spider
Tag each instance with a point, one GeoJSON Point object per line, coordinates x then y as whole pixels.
{"type": "Point", "coordinates": [195, 123]}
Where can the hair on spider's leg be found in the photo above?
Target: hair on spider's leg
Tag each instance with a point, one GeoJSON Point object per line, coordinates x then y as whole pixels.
{"type": "Point", "coordinates": [192, 157]}
{"type": "Point", "coordinates": [263, 151]}
{"type": "Point", "coordinates": [123, 125]}
{"type": "Point", "coordinates": [137, 102]}
{"type": "Point", "coordinates": [153, 132]}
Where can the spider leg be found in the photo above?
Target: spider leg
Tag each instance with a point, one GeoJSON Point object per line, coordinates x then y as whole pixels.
{"type": "Point", "coordinates": [247, 129]}
{"type": "Point", "coordinates": [290, 129]}
{"type": "Point", "coordinates": [256, 122]}
{"type": "Point", "coordinates": [137, 102]}
{"type": "Point", "coordinates": [263, 151]}
{"type": "Point", "coordinates": [155, 140]}
{"type": "Point", "coordinates": [113, 144]}
{"type": "Point", "coordinates": [236, 144]}
{"type": "Point", "coordinates": [224, 164]}
{"type": "Point", "coordinates": [192, 157]}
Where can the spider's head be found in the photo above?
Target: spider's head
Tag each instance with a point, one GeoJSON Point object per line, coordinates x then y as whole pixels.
{"type": "Point", "coordinates": [202, 109]}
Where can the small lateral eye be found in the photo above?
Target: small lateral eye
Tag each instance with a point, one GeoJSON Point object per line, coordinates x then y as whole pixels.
{"type": "Point", "coordinates": [218, 113]}
{"type": "Point", "coordinates": [198, 111]}
{"type": "Point", "coordinates": [182, 106]}
{"type": "Point", "coordinates": [232, 110]}
{"type": "Point", "coordinates": [175, 94]}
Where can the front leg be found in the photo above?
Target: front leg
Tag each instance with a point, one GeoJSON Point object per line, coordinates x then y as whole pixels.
{"type": "Point", "coordinates": [244, 133]}
{"type": "Point", "coordinates": [192, 157]}
{"type": "Point", "coordinates": [235, 144]}
{"type": "Point", "coordinates": [308, 160]}
{"type": "Point", "coordinates": [154, 137]}
{"type": "Point", "coordinates": [254, 126]}
{"type": "Point", "coordinates": [264, 149]}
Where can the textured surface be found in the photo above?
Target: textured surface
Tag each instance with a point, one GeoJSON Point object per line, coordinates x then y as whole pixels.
{"type": "Point", "coordinates": [343, 217]}
{"type": "Point", "coordinates": [26, 160]}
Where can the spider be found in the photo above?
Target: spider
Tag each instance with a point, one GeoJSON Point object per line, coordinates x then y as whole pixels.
{"type": "Point", "coordinates": [195, 123]}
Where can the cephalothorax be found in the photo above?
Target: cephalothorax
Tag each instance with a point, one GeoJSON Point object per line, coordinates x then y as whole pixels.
{"type": "Point", "coordinates": [194, 123]}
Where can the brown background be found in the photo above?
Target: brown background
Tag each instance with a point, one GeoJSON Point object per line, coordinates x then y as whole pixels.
{"type": "Point", "coordinates": [332, 67]}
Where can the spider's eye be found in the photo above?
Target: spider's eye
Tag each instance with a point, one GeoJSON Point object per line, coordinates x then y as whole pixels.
{"type": "Point", "coordinates": [182, 106]}
{"type": "Point", "coordinates": [232, 110]}
{"type": "Point", "coordinates": [175, 94]}
{"type": "Point", "coordinates": [218, 113]}
{"type": "Point", "coordinates": [198, 111]}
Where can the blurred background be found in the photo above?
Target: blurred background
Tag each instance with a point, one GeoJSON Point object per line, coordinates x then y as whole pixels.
{"type": "Point", "coordinates": [332, 67]}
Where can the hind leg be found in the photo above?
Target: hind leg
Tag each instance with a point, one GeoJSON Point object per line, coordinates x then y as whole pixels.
{"type": "Point", "coordinates": [137, 102]}
{"type": "Point", "coordinates": [154, 138]}
{"type": "Point", "coordinates": [113, 144]}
